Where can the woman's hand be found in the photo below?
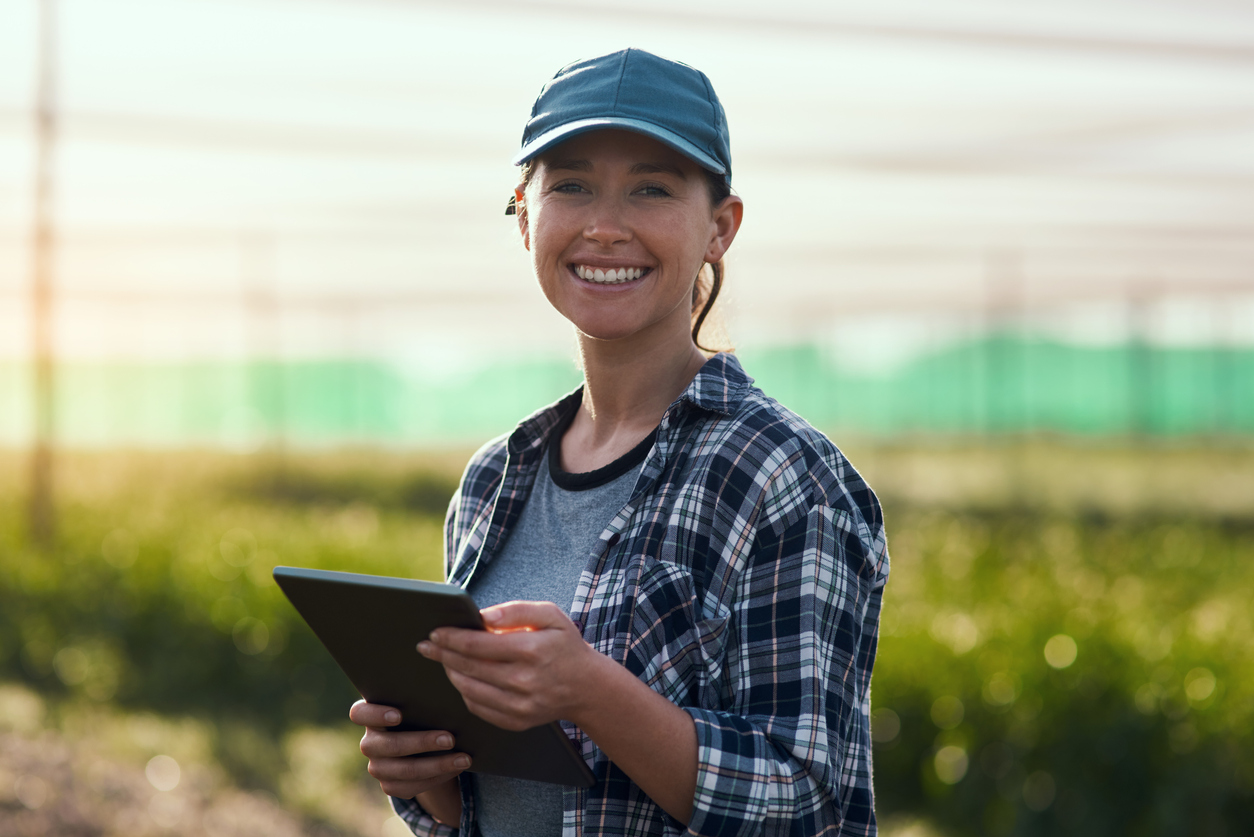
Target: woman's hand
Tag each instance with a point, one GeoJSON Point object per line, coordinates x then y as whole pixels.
{"type": "Point", "coordinates": [411, 764]}
{"type": "Point", "coordinates": [532, 667]}
{"type": "Point", "coordinates": [529, 668]}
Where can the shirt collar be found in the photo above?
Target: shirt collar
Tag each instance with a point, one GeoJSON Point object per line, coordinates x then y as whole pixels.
{"type": "Point", "coordinates": [719, 386]}
{"type": "Point", "coordinates": [531, 434]}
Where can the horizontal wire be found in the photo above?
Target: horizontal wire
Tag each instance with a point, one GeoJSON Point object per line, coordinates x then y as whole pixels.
{"type": "Point", "coordinates": [827, 28]}
{"type": "Point", "coordinates": [998, 158]}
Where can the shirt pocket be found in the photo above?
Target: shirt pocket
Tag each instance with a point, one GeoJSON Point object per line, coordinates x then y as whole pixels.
{"type": "Point", "coordinates": [675, 645]}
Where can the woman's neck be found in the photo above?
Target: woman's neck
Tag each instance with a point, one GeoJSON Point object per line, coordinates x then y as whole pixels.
{"type": "Point", "coordinates": [627, 390]}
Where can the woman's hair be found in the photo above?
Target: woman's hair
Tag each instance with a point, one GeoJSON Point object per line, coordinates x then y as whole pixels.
{"type": "Point", "coordinates": [704, 294]}
{"type": "Point", "coordinates": [705, 290]}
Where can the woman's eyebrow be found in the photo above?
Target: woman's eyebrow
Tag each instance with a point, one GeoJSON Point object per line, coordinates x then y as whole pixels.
{"type": "Point", "coordinates": [571, 165]}
{"type": "Point", "coordinates": [658, 168]}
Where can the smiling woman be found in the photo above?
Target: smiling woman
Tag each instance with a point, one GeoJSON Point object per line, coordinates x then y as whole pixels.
{"type": "Point", "coordinates": [706, 289]}
{"type": "Point", "coordinates": [680, 570]}
{"type": "Point", "coordinates": [622, 225]}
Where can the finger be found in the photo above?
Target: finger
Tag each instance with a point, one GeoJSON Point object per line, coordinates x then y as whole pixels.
{"type": "Point", "coordinates": [502, 696]}
{"type": "Point", "coordinates": [381, 744]}
{"type": "Point", "coordinates": [502, 707]}
{"type": "Point", "coordinates": [373, 714]}
{"type": "Point", "coordinates": [513, 616]}
{"type": "Point", "coordinates": [500, 671]}
{"type": "Point", "coordinates": [408, 790]}
{"type": "Point", "coordinates": [481, 691]}
{"type": "Point", "coordinates": [425, 769]}
{"type": "Point", "coordinates": [477, 644]}
{"type": "Point", "coordinates": [509, 714]}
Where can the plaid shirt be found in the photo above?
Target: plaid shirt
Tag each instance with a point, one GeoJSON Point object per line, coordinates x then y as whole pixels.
{"type": "Point", "coordinates": [742, 581]}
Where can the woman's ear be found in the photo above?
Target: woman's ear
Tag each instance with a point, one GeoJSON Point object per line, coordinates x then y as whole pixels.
{"type": "Point", "coordinates": [520, 209]}
{"type": "Point", "coordinates": [727, 218]}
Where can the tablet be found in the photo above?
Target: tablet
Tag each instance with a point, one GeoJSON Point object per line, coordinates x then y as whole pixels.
{"type": "Point", "coordinates": [372, 625]}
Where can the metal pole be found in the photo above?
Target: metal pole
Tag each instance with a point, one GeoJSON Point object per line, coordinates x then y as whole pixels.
{"type": "Point", "coordinates": [42, 520]}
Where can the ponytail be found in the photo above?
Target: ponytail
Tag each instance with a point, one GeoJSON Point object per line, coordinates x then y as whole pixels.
{"type": "Point", "coordinates": [703, 298]}
{"type": "Point", "coordinates": [705, 291]}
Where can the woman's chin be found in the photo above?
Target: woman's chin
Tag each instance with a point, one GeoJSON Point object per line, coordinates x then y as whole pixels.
{"type": "Point", "coordinates": [627, 326]}
{"type": "Point", "coordinates": [606, 333]}
{"type": "Point", "coordinates": [603, 322]}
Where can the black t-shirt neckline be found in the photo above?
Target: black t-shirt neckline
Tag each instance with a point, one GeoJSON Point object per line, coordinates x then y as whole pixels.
{"type": "Point", "coordinates": [592, 479]}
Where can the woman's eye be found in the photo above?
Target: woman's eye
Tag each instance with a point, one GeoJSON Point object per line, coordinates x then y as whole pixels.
{"type": "Point", "coordinates": [568, 188]}
{"type": "Point", "coordinates": [654, 191]}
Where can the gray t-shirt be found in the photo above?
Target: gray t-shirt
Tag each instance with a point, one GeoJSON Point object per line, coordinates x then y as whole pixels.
{"type": "Point", "coordinates": [541, 561]}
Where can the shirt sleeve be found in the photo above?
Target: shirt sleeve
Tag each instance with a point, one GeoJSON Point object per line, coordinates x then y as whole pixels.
{"type": "Point", "coordinates": [449, 544]}
{"type": "Point", "coordinates": [791, 755]}
{"type": "Point", "coordinates": [409, 810]}
{"type": "Point", "coordinates": [418, 820]}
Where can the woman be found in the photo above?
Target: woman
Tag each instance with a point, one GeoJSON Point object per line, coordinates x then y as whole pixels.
{"type": "Point", "coordinates": [699, 572]}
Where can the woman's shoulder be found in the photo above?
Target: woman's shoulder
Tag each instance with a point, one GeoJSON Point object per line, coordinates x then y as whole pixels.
{"type": "Point", "coordinates": [741, 422]}
{"type": "Point", "coordinates": [487, 465]}
{"type": "Point", "coordinates": [752, 440]}
{"type": "Point", "coordinates": [775, 427]}
{"type": "Point", "coordinates": [484, 469]}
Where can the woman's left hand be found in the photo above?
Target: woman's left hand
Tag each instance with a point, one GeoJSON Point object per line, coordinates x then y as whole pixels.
{"type": "Point", "coordinates": [530, 667]}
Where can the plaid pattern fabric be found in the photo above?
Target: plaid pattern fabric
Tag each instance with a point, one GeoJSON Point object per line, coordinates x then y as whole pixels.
{"type": "Point", "coordinates": [743, 581]}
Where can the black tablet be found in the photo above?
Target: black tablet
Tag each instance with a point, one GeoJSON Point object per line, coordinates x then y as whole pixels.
{"type": "Point", "coordinates": [372, 625]}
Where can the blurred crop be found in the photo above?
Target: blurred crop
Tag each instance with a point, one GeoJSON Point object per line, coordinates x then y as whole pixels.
{"type": "Point", "coordinates": [1048, 665]}
{"type": "Point", "coordinates": [1046, 674]}
{"type": "Point", "coordinates": [158, 604]}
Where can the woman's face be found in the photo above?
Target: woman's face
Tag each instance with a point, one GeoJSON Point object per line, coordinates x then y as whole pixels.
{"type": "Point", "coordinates": [618, 226]}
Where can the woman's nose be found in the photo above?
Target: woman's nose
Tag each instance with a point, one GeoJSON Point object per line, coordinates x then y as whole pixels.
{"type": "Point", "coordinates": [607, 222]}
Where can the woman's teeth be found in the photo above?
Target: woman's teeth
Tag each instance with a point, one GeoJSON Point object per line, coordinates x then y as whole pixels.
{"type": "Point", "coordinates": [611, 276]}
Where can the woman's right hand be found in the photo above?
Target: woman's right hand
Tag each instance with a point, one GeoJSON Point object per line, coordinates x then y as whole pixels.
{"type": "Point", "coordinates": [400, 774]}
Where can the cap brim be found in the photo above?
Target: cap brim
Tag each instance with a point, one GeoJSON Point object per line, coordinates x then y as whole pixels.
{"type": "Point", "coordinates": [562, 133]}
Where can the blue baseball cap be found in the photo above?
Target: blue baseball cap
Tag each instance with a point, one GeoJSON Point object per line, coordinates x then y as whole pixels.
{"type": "Point", "coordinates": [636, 91]}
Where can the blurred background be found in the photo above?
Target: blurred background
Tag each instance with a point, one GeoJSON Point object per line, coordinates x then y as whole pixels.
{"type": "Point", "coordinates": [259, 301]}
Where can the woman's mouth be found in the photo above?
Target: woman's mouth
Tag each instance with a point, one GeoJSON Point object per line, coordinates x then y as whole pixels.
{"type": "Point", "coordinates": [609, 275]}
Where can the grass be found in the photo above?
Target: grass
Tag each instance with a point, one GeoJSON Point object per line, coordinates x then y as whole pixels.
{"type": "Point", "coordinates": [1064, 650]}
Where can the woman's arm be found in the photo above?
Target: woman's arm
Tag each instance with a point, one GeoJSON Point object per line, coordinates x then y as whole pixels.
{"type": "Point", "coordinates": [533, 667]}
{"type": "Point", "coordinates": [789, 752]}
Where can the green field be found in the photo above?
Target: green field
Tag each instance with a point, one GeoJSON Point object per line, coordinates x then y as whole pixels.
{"type": "Point", "coordinates": [1065, 640]}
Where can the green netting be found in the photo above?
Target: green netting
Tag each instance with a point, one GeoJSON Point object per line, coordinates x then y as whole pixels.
{"type": "Point", "coordinates": [998, 385]}
{"type": "Point", "coordinates": [1007, 384]}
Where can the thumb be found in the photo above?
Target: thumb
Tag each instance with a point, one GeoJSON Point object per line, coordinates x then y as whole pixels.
{"type": "Point", "coordinates": [523, 616]}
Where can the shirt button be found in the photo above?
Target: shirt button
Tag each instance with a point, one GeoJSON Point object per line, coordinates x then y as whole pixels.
{"type": "Point", "coordinates": [578, 624]}
{"type": "Point", "coordinates": [614, 538]}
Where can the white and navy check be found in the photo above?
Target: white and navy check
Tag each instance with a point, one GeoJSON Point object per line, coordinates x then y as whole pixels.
{"type": "Point", "coordinates": [743, 581]}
